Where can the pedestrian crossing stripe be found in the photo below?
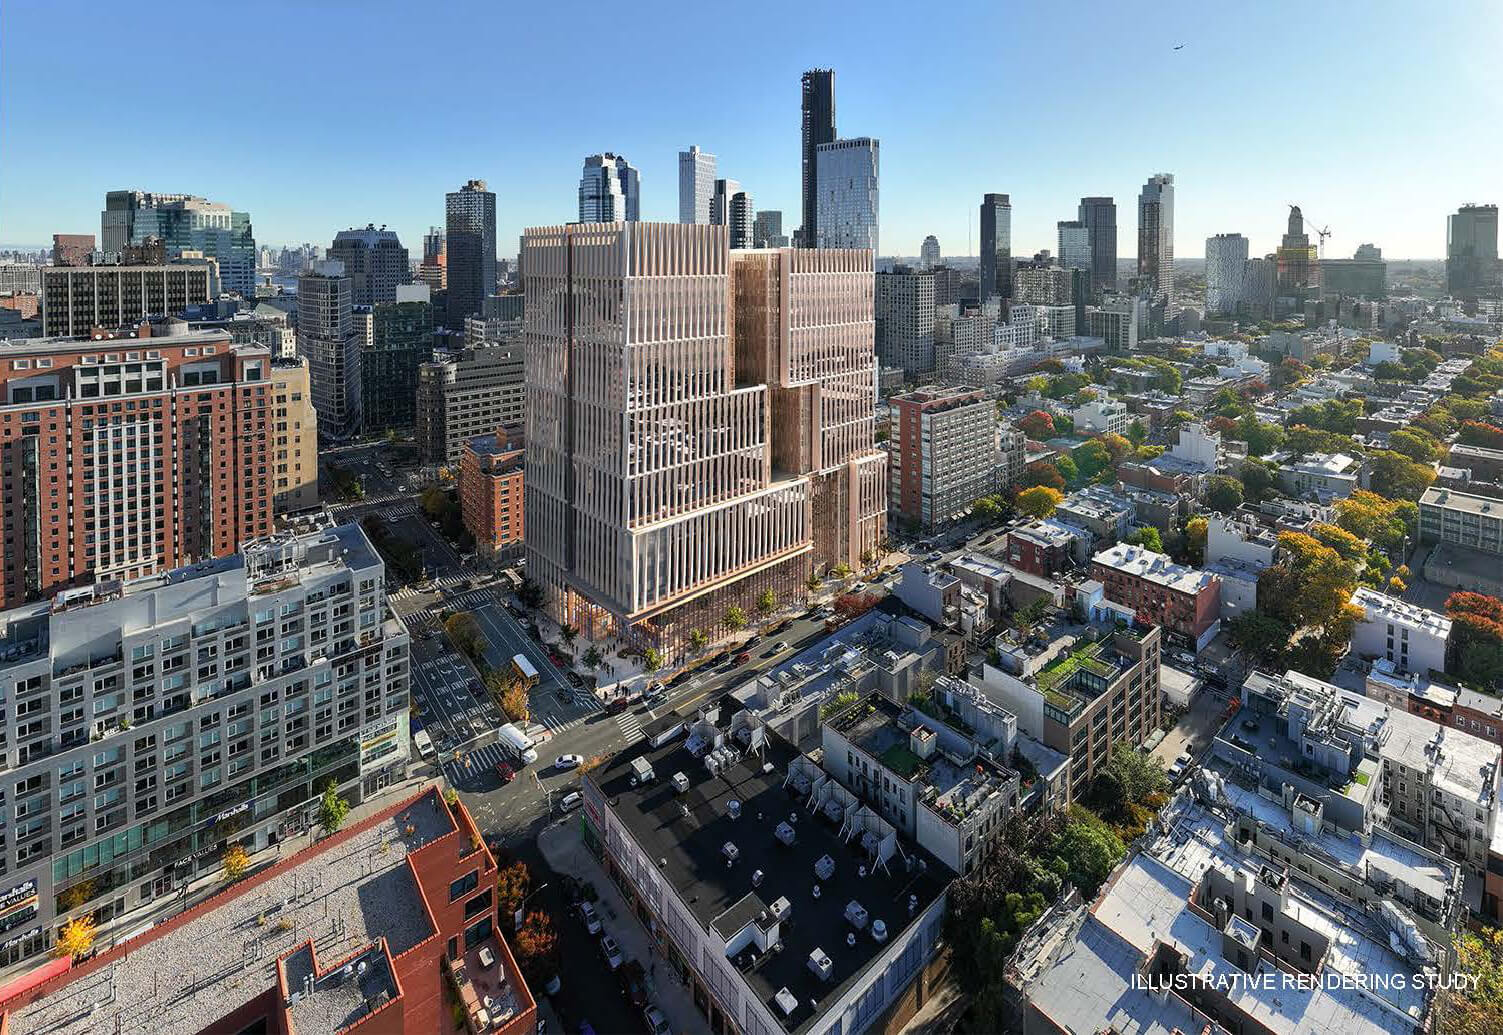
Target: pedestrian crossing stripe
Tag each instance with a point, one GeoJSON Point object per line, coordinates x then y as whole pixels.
{"type": "Point", "coordinates": [628, 724]}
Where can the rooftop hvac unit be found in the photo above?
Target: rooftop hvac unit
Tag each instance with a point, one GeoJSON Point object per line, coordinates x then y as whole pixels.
{"type": "Point", "coordinates": [784, 833]}
{"type": "Point", "coordinates": [855, 914]}
{"type": "Point", "coordinates": [734, 808]}
{"type": "Point", "coordinates": [824, 868]}
{"type": "Point", "coordinates": [731, 852]}
{"type": "Point", "coordinates": [781, 907]}
{"type": "Point", "coordinates": [787, 1002]}
{"type": "Point", "coordinates": [821, 964]}
{"type": "Point", "coordinates": [680, 782]}
{"type": "Point", "coordinates": [879, 930]}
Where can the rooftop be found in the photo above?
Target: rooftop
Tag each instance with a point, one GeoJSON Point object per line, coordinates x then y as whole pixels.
{"type": "Point", "coordinates": [1148, 918]}
{"type": "Point", "coordinates": [1329, 464]}
{"type": "Point", "coordinates": [184, 977]}
{"type": "Point", "coordinates": [686, 835]}
{"type": "Point", "coordinates": [1155, 567]}
{"type": "Point", "coordinates": [1451, 499]}
{"type": "Point", "coordinates": [1382, 607]}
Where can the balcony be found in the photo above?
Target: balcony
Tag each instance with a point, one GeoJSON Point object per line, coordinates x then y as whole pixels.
{"type": "Point", "coordinates": [488, 995]}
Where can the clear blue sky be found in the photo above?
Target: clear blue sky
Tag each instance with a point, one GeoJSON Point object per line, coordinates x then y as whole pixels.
{"type": "Point", "coordinates": [1378, 118]}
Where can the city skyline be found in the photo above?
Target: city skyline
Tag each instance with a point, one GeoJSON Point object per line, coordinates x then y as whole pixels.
{"type": "Point", "coordinates": [936, 165]}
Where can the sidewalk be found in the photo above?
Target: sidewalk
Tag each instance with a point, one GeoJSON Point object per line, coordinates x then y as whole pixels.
{"type": "Point", "coordinates": [563, 847]}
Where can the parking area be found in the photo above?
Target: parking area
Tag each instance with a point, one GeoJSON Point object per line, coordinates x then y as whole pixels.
{"type": "Point", "coordinates": [1196, 729]}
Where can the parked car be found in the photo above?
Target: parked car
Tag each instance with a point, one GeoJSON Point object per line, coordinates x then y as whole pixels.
{"type": "Point", "coordinates": [617, 705]}
{"type": "Point", "coordinates": [936, 555]}
{"type": "Point", "coordinates": [564, 762]}
{"type": "Point", "coordinates": [506, 772]}
{"type": "Point", "coordinates": [611, 951]}
{"type": "Point", "coordinates": [657, 1024]}
{"type": "Point", "coordinates": [742, 658]}
{"type": "Point", "coordinates": [590, 918]}
{"type": "Point", "coordinates": [1178, 768]}
{"type": "Point", "coordinates": [570, 801]}
{"type": "Point", "coordinates": [633, 983]}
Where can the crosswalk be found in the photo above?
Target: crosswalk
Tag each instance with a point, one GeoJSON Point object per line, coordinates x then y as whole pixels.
{"type": "Point", "coordinates": [427, 617]}
{"type": "Point", "coordinates": [439, 583]}
{"type": "Point", "coordinates": [630, 728]}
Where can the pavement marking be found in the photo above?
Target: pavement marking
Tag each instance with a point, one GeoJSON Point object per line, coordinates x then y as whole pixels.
{"type": "Point", "coordinates": [630, 728]}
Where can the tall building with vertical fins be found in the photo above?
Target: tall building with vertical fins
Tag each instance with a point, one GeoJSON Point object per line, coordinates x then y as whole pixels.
{"type": "Point", "coordinates": [699, 423]}
{"type": "Point", "coordinates": [1156, 236]}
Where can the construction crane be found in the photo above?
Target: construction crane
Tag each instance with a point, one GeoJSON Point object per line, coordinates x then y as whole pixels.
{"type": "Point", "coordinates": [1322, 231]}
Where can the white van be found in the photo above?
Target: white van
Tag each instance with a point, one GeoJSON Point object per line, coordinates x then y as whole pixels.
{"type": "Point", "coordinates": [518, 744]}
{"type": "Point", "coordinates": [423, 743]}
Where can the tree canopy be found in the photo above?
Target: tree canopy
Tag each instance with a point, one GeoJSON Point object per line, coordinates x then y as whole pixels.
{"type": "Point", "coordinates": [1223, 494]}
{"type": "Point", "coordinates": [1039, 501]}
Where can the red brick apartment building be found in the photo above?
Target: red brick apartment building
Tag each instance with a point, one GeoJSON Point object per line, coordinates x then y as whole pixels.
{"type": "Point", "coordinates": [385, 928]}
{"type": "Point", "coordinates": [1186, 602]}
{"type": "Point", "coordinates": [491, 498]}
{"type": "Point", "coordinates": [129, 453]}
{"type": "Point", "coordinates": [1039, 548]}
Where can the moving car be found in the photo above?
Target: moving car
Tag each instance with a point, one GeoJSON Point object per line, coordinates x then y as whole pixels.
{"type": "Point", "coordinates": [936, 555]}
{"type": "Point", "coordinates": [590, 918]}
{"type": "Point", "coordinates": [571, 801]}
{"type": "Point", "coordinates": [611, 951]}
{"type": "Point", "coordinates": [563, 762]}
{"type": "Point", "coordinates": [617, 705]}
{"type": "Point", "coordinates": [742, 658]}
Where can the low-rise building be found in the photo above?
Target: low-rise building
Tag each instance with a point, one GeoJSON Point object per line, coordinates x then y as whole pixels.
{"type": "Point", "coordinates": [944, 600]}
{"type": "Point", "coordinates": [1100, 511]}
{"type": "Point", "coordinates": [1412, 637]}
{"type": "Point", "coordinates": [1199, 931]}
{"type": "Point", "coordinates": [925, 778]}
{"type": "Point", "coordinates": [1319, 476]}
{"type": "Point", "coordinates": [1186, 602]}
{"type": "Point", "coordinates": [1041, 547]}
{"type": "Point", "coordinates": [375, 929]}
{"type": "Point", "coordinates": [1102, 414]}
{"type": "Point", "coordinates": [717, 851]}
{"type": "Point", "coordinates": [1083, 693]}
{"type": "Point", "coordinates": [491, 493]}
{"type": "Point", "coordinates": [1461, 519]}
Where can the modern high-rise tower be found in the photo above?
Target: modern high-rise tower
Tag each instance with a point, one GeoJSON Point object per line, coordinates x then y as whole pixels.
{"type": "Point", "coordinates": [767, 229]}
{"type": "Point", "coordinates": [184, 223]}
{"type": "Point", "coordinates": [696, 182]}
{"type": "Point", "coordinates": [705, 436]}
{"type": "Point", "coordinates": [849, 175]}
{"type": "Point", "coordinates": [375, 262]}
{"type": "Point", "coordinates": [1472, 252]}
{"type": "Point", "coordinates": [1100, 218]}
{"type": "Point", "coordinates": [1156, 237]}
{"type": "Point", "coordinates": [1226, 274]}
{"type": "Point", "coordinates": [996, 246]}
{"type": "Point", "coordinates": [1074, 240]}
{"type": "Point", "coordinates": [470, 238]}
{"type": "Point", "coordinates": [818, 87]}
{"type": "Point", "coordinates": [609, 190]}
{"type": "Point", "coordinates": [929, 252]}
{"type": "Point", "coordinates": [327, 339]}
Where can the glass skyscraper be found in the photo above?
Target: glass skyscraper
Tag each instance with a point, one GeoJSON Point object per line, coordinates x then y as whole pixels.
{"type": "Point", "coordinates": [184, 222]}
{"type": "Point", "coordinates": [609, 190]}
{"type": "Point", "coordinates": [1156, 236]}
{"type": "Point", "coordinates": [996, 246]}
{"type": "Point", "coordinates": [818, 128]}
{"type": "Point", "coordinates": [847, 209]}
{"type": "Point", "coordinates": [1100, 218]}
{"type": "Point", "coordinates": [696, 182]}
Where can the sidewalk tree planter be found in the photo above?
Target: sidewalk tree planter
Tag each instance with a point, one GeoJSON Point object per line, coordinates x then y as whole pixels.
{"type": "Point", "coordinates": [332, 809]}
{"type": "Point", "coordinates": [76, 938]}
{"type": "Point", "coordinates": [235, 862]}
{"type": "Point", "coordinates": [735, 619]}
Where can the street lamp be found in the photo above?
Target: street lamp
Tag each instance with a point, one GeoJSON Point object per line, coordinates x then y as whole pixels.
{"type": "Point", "coordinates": [516, 917]}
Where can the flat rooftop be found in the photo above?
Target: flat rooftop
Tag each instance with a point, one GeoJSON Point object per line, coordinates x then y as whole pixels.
{"type": "Point", "coordinates": [1391, 609]}
{"type": "Point", "coordinates": [1147, 902]}
{"type": "Point", "coordinates": [84, 343]}
{"type": "Point", "coordinates": [1154, 567]}
{"type": "Point", "coordinates": [1452, 499]}
{"type": "Point", "coordinates": [184, 978]}
{"type": "Point", "coordinates": [685, 835]}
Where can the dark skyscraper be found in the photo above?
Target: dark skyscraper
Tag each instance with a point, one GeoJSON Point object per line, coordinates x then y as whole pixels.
{"type": "Point", "coordinates": [819, 128]}
{"type": "Point", "coordinates": [471, 242]}
{"type": "Point", "coordinates": [996, 246]}
{"type": "Point", "coordinates": [1100, 217]}
{"type": "Point", "coordinates": [375, 262]}
{"type": "Point", "coordinates": [1472, 252]}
